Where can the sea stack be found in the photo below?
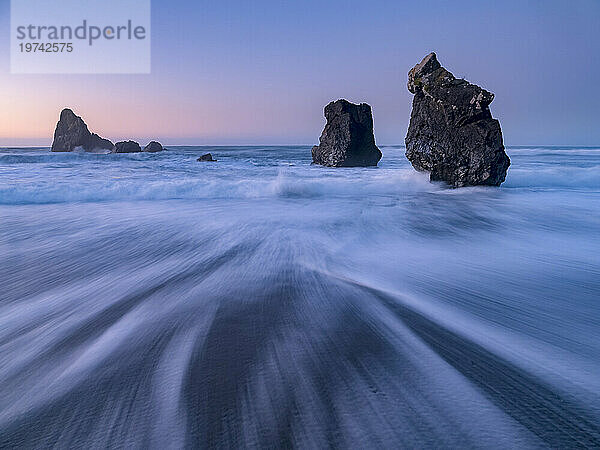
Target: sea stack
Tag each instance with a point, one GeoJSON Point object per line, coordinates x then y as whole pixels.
{"type": "Point", "coordinates": [153, 147]}
{"type": "Point", "coordinates": [347, 139]}
{"type": "Point", "coordinates": [127, 147]}
{"type": "Point", "coordinates": [72, 134]}
{"type": "Point", "coordinates": [452, 134]}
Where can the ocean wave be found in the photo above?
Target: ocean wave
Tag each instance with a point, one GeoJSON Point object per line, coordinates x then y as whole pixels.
{"type": "Point", "coordinates": [288, 182]}
{"type": "Point", "coordinates": [285, 184]}
{"type": "Point", "coordinates": [554, 177]}
{"type": "Point", "coordinates": [553, 150]}
{"type": "Point", "coordinates": [382, 182]}
{"type": "Point", "coordinates": [67, 157]}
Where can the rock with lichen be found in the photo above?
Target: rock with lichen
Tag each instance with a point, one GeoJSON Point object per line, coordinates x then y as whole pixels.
{"type": "Point", "coordinates": [452, 134]}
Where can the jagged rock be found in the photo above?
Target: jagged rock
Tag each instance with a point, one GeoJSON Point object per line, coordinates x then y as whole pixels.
{"type": "Point", "coordinates": [153, 147]}
{"type": "Point", "coordinates": [127, 147]}
{"type": "Point", "coordinates": [72, 133]}
{"type": "Point", "coordinates": [452, 133]}
{"type": "Point", "coordinates": [207, 157]}
{"type": "Point", "coordinates": [347, 139]}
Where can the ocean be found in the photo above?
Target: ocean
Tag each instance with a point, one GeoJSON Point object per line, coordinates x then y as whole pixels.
{"type": "Point", "coordinates": [152, 301]}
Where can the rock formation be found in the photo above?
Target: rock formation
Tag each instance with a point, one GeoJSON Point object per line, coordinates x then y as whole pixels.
{"type": "Point", "coordinates": [207, 157]}
{"type": "Point", "coordinates": [72, 133]}
{"type": "Point", "coordinates": [153, 147]}
{"type": "Point", "coordinates": [347, 139]}
{"type": "Point", "coordinates": [127, 147]}
{"type": "Point", "coordinates": [452, 133]}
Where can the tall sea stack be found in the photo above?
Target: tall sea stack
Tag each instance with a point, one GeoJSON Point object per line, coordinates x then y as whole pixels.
{"type": "Point", "coordinates": [452, 134]}
{"type": "Point", "coordinates": [72, 133]}
{"type": "Point", "coordinates": [347, 139]}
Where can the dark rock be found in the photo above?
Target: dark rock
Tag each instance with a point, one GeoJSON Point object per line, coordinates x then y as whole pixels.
{"type": "Point", "coordinates": [452, 133]}
{"type": "Point", "coordinates": [72, 133]}
{"type": "Point", "coordinates": [347, 139]}
{"type": "Point", "coordinates": [153, 147]}
{"type": "Point", "coordinates": [98, 143]}
{"type": "Point", "coordinates": [127, 147]}
{"type": "Point", "coordinates": [206, 157]}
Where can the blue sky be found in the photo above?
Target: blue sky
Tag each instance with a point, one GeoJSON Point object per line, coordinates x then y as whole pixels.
{"type": "Point", "coordinates": [239, 72]}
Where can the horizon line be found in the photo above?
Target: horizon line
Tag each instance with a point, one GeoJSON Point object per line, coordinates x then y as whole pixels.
{"type": "Point", "coordinates": [310, 145]}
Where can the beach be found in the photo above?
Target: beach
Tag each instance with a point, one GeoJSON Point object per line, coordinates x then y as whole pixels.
{"type": "Point", "coordinates": [150, 300]}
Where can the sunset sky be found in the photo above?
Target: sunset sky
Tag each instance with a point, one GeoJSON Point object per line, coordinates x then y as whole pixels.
{"type": "Point", "coordinates": [241, 72]}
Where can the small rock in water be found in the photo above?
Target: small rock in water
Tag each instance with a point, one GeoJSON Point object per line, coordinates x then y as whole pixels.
{"type": "Point", "coordinates": [452, 133]}
{"type": "Point", "coordinates": [347, 139]}
{"type": "Point", "coordinates": [153, 147]}
{"type": "Point", "coordinates": [206, 157]}
{"type": "Point", "coordinates": [127, 147]}
{"type": "Point", "coordinates": [72, 133]}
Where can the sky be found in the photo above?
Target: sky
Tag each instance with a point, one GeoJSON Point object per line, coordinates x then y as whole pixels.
{"type": "Point", "coordinates": [260, 72]}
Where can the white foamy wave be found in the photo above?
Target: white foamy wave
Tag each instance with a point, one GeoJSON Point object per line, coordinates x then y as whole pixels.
{"type": "Point", "coordinates": [381, 182]}
{"type": "Point", "coordinates": [285, 183]}
{"type": "Point", "coordinates": [554, 177]}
